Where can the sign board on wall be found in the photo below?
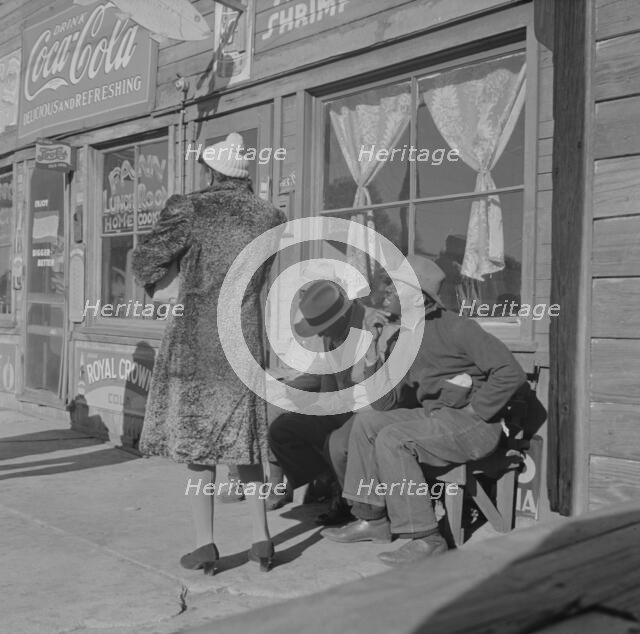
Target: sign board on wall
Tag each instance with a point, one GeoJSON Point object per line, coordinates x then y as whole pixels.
{"type": "Point", "coordinates": [115, 381]}
{"type": "Point", "coordinates": [54, 155]}
{"type": "Point", "coordinates": [47, 230]}
{"type": "Point", "coordinates": [232, 44]}
{"type": "Point", "coordinates": [87, 63]}
{"type": "Point", "coordinates": [294, 33]}
{"type": "Point", "coordinates": [288, 20]}
{"type": "Point", "coordinates": [9, 89]}
{"type": "Point", "coordinates": [528, 493]}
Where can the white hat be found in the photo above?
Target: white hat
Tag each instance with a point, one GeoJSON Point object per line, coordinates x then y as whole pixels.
{"type": "Point", "coordinates": [226, 157]}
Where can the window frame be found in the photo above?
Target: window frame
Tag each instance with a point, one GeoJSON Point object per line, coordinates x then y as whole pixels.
{"type": "Point", "coordinates": [134, 327]}
{"type": "Point", "coordinates": [516, 332]}
{"type": "Point", "coordinates": [8, 320]}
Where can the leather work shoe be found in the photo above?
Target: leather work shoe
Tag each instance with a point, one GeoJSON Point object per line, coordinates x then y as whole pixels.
{"type": "Point", "coordinates": [415, 550]}
{"type": "Point", "coordinates": [360, 531]}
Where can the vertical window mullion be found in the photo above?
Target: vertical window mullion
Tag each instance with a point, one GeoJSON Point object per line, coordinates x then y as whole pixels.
{"type": "Point", "coordinates": [413, 167]}
{"type": "Point", "coordinates": [138, 294]}
{"type": "Point", "coordinates": [136, 156]}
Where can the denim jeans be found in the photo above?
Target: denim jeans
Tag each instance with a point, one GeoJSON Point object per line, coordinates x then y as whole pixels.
{"type": "Point", "coordinates": [388, 447]}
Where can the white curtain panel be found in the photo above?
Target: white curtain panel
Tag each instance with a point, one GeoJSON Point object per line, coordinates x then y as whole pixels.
{"type": "Point", "coordinates": [371, 127]}
{"type": "Point", "coordinates": [477, 117]}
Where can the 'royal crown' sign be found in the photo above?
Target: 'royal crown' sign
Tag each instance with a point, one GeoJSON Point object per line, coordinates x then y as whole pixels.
{"type": "Point", "coordinates": [86, 64]}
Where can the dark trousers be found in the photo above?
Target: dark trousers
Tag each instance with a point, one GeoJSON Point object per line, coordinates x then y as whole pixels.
{"type": "Point", "coordinates": [299, 443]}
{"type": "Point", "coordinates": [388, 447]}
{"type": "Point", "coordinates": [338, 448]}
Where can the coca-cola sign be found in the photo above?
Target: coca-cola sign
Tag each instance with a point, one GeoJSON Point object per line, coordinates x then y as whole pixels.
{"type": "Point", "coordinates": [86, 65]}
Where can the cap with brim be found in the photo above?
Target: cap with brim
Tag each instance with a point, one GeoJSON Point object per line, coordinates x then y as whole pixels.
{"type": "Point", "coordinates": [430, 277]}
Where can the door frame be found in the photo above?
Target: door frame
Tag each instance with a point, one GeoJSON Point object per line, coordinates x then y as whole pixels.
{"type": "Point", "coordinates": [260, 117]}
{"type": "Point", "coordinates": [27, 394]}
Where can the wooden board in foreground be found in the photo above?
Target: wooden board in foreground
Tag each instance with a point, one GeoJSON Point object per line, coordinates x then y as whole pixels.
{"type": "Point", "coordinates": [523, 581]}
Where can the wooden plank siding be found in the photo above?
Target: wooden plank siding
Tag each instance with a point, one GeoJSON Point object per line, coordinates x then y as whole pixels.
{"type": "Point", "coordinates": [615, 430]}
{"type": "Point", "coordinates": [614, 309]}
{"type": "Point", "coordinates": [616, 17]}
{"type": "Point", "coordinates": [617, 71]}
{"type": "Point", "coordinates": [614, 420]}
{"type": "Point", "coordinates": [616, 246]}
{"type": "Point", "coordinates": [615, 368]}
{"type": "Point", "coordinates": [613, 480]}
{"type": "Point", "coordinates": [617, 187]}
{"type": "Point", "coordinates": [617, 124]}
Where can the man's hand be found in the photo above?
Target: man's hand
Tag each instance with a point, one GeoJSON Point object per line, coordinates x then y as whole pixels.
{"type": "Point", "coordinates": [374, 320]}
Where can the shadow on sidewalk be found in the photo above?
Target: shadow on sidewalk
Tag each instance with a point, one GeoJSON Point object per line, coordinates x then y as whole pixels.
{"type": "Point", "coordinates": [306, 516]}
{"type": "Point", "coordinates": [40, 442]}
{"type": "Point", "coordinates": [43, 442]}
{"type": "Point", "coordinates": [89, 460]}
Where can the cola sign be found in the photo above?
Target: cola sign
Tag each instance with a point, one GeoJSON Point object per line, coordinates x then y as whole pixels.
{"type": "Point", "coordinates": [87, 63]}
{"type": "Point", "coordinates": [54, 156]}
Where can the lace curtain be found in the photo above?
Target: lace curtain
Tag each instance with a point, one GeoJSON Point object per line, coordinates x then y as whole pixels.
{"type": "Point", "coordinates": [368, 127]}
{"type": "Point", "coordinates": [477, 117]}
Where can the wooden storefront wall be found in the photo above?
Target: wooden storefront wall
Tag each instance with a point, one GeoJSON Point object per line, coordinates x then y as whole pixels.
{"type": "Point", "coordinates": [289, 71]}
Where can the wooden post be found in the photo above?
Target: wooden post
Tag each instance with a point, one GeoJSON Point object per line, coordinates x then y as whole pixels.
{"type": "Point", "coordinates": [570, 257]}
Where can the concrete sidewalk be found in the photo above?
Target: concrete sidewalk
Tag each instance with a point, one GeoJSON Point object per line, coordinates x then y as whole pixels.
{"type": "Point", "coordinates": [92, 536]}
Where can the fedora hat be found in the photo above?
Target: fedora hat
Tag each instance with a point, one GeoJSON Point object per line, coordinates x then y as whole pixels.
{"type": "Point", "coordinates": [430, 277]}
{"type": "Point", "coordinates": [322, 304]}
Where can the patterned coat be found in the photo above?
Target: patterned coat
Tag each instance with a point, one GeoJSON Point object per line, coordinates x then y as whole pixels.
{"type": "Point", "coordinates": [198, 410]}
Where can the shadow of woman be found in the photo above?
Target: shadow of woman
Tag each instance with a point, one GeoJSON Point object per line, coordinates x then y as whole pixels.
{"type": "Point", "coordinates": [136, 392]}
{"type": "Point", "coordinates": [305, 514]}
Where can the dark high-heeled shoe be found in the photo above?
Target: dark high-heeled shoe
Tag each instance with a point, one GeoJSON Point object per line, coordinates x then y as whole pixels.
{"type": "Point", "coordinates": [262, 553]}
{"type": "Point", "coordinates": [206, 558]}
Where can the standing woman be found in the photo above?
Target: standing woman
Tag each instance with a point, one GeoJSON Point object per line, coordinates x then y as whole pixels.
{"type": "Point", "coordinates": [199, 412]}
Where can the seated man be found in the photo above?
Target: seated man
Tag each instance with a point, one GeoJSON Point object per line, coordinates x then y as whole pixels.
{"type": "Point", "coordinates": [456, 424]}
{"type": "Point", "coordinates": [385, 335]}
{"type": "Point", "coordinates": [297, 440]}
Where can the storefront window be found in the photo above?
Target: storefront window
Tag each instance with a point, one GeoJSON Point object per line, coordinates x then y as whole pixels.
{"type": "Point", "coordinates": [448, 146]}
{"type": "Point", "coordinates": [6, 223]}
{"type": "Point", "coordinates": [134, 190]}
